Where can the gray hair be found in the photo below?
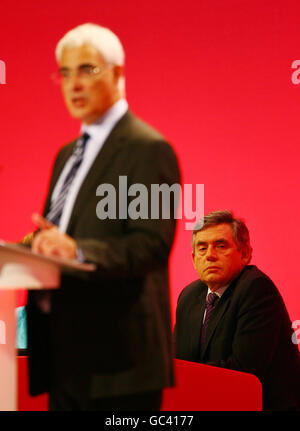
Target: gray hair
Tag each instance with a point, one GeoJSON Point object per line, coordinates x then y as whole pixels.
{"type": "Point", "coordinates": [103, 39]}
{"type": "Point", "coordinates": [239, 229]}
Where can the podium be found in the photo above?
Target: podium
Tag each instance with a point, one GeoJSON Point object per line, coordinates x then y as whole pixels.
{"type": "Point", "coordinates": [22, 269]}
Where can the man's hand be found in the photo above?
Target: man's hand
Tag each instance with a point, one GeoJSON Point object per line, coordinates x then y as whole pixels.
{"type": "Point", "coordinates": [50, 241]}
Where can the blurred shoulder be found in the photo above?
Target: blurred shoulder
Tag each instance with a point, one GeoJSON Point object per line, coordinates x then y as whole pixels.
{"type": "Point", "coordinates": [138, 128]}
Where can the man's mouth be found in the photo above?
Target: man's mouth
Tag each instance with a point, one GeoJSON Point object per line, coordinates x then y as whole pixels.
{"type": "Point", "coordinates": [212, 268]}
{"type": "Point", "coordinates": [78, 102]}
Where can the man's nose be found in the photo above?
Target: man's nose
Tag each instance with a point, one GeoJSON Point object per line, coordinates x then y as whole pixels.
{"type": "Point", "coordinates": [74, 82]}
{"type": "Point", "coordinates": [211, 253]}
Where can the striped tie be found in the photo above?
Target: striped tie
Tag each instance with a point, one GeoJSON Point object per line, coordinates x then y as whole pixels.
{"type": "Point", "coordinates": [210, 303]}
{"type": "Point", "coordinates": [57, 204]}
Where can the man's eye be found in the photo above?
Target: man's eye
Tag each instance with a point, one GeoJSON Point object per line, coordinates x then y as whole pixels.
{"type": "Point", "coordinates": [64, 73]}
{"type": "Point", "coordinates": [87, 70]}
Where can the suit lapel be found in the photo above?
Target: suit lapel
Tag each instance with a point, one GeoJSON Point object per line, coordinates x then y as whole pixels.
{"type": "Point", "coordinates": [102, 162]}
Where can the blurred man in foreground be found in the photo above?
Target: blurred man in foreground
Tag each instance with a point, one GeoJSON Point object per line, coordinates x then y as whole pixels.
{"type": "Point", "coordinates": [233, 316]}
{"type": "Point", "coordinates": [102, 341]}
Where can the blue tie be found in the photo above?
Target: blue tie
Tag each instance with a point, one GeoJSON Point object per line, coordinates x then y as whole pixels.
{"type": "Point", "coordinates": [57, 205]}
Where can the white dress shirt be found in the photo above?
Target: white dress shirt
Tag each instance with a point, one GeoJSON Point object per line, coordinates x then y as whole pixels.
{"type": "Point", "coordinates": [98, 133]}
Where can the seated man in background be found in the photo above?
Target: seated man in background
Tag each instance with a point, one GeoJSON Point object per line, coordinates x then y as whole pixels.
{"type": "Point", "coordinates": [234, 316]}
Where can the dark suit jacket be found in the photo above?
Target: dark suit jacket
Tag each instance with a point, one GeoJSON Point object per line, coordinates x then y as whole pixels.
{"type": "Point", "coordinates": [112, 327]}
{"type": "Point", "coordinates": [249, 331]}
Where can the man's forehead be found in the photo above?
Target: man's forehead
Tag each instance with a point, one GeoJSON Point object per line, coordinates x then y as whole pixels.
{"type": "Point", "coordinates": [215, 233]}
{"type": "Point", "coordinates": [77, 55]}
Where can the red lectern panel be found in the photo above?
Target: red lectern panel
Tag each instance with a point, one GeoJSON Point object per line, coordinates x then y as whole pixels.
{"type": "Point", "coordinates": [198, 387]}
{"type": "Point", "coordinates": [206, 388]}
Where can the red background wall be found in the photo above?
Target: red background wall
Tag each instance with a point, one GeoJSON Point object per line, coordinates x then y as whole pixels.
{"type": "Point", "coordinates": [213, 76]}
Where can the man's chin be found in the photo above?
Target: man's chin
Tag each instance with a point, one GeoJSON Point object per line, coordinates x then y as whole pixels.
{"type": "Point", "coordinates": [212, 280]}
{"type": "Point", "coordinates": [79, 114]}
{"type": "Point", "coordinates": [84, 117]}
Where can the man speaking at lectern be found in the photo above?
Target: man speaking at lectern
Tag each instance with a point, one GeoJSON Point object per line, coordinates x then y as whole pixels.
{"type": "Point", "coordinates": [103, 340]}
{"type": "Point", "coordinates": [233, 316]}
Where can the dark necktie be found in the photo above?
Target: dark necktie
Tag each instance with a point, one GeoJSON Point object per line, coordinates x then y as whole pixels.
{"type": "Point", "coordinates": [57, 205]}
{"type": "Point", "coordinates": [210, 304]}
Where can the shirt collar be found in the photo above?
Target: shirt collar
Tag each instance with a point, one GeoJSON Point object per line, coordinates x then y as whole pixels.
{"type": "Point", "coordinates": [107, 120]}
{"type": "Point", "coordinates": [218, 292]}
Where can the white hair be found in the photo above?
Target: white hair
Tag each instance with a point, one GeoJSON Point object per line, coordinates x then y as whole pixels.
{"type": "Point", "coordinates": [103, 39]}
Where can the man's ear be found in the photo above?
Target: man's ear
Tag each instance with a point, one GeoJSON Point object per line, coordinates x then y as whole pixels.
{"type": "Point", "coordinates": [246, 255]}
{"type": "Point", "coordinates": [118, 72]}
